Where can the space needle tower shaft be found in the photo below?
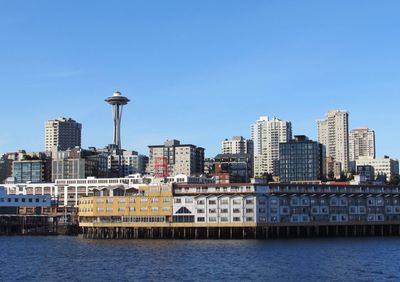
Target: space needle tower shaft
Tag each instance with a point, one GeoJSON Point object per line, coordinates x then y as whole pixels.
{"type": "Point", "coordinates": [117, 101]}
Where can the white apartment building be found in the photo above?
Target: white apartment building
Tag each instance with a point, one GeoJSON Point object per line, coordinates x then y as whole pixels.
{"type": "Point", "coordinates": [237, 145]}
{"type": "Point", "coordinates": [383, 167]}
{"type": "Point", "coordinates": [215, 204]}
{"type": "Point", "coordinates": [361, 144]}
{"type": "Point", "coordinates": [266, 135]}
{"type": "Point", "coordinates": [333, 132]}
{"type": "Point", "coordinates": [62, 134]}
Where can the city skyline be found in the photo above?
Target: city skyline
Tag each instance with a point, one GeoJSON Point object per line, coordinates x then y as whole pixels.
{"type": "Point", "coordinates": [199, 81]}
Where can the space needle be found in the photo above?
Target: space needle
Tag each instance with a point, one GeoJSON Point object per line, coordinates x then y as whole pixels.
{"type": "Point", "coordinates": [117, 101]}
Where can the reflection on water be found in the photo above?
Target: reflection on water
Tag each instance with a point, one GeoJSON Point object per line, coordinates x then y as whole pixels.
{"type": "Point", "coordinates": [76, 259]}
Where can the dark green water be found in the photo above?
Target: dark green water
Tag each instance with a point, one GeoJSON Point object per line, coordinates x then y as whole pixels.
{"type": "Point", "coordinates": [75, 259]}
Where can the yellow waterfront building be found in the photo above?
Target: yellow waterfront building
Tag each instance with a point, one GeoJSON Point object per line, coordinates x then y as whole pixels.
{"type": "Point", "coordinates": [149, 205]}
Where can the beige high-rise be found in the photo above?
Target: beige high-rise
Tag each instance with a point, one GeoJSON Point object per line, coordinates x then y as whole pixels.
{"type": "Point", "coordinates": [333, 132]}
{"type": "Point", "coordinates": [62, 134]}
{"type": "Point", "coordinates": [362, 144]}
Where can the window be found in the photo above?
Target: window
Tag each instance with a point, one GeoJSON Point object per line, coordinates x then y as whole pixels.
{"type": "Point", "coordinates": [201, 219]}
{"type": "Point", "coordinates": [212, 202]}
{"type": "Point", "coordinates": [183, 210]}
{"type": "Point", "coordinates": [224, 202]}
{"type": "Point", "coordinates": [177, 200]}
{"type": "Point", "coordinates": [236, 219]}
{"type": "Point", "coordinates": [236, 210]}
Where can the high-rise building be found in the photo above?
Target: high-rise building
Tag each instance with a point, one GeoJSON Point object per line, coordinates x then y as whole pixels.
{"type": "Point", "coordinates": [62, 134]}
{"type": "Point", "coordinates": [237, 145]}
{"type": "Point", "coordinates": [361, 144]}
{"type": "Point", "coordinates": [333, 132]}
{"type": "Point", "coordinates": [301, 160]}
{"type": "Point", "coordinates": [174, 158]}
{"type": "Point", "coordinates": [266, 135]}
{"type": "Point", "coordinates": [256, 134]}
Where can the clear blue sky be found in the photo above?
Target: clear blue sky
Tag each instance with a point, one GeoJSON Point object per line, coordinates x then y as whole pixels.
{"type": "Point", "coordinates": [198, 71]}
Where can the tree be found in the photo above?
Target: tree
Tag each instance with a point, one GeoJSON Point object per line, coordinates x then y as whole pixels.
{"type": "Point", "coordinates": [394, 180]}
{"type": "Point", "coordinates": [268, 176]}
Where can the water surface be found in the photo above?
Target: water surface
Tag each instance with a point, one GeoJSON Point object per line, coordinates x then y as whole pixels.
{"type": "Point", "coordinates": [76, 259]}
